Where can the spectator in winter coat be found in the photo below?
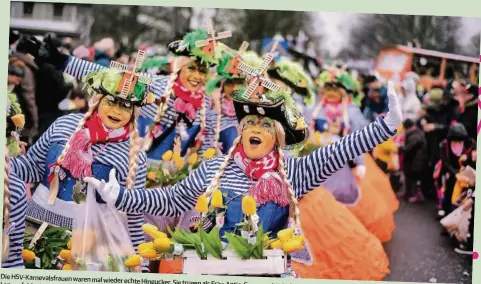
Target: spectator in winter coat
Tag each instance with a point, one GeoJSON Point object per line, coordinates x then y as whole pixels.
{"type": "Point", "coordinates": [51, 89]}
{"type": "Point", "coordinates": [25, 92]}
{"type": "Point", "coordinates": [468, 110]}
{"type": "Point", "coordinates": [410, 103]}
{"type": "Point", "coordinates": [415, 160]}
{"type": "Point", "coordinates": [104, 51]}
{"type": "Point", "coordinates": [376, 102]}
{"type": "Point", "coordinates": [453, 148]}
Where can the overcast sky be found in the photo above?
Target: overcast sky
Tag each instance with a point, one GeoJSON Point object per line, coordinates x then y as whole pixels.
{"type": "Point", "coordinates": [335, 27]}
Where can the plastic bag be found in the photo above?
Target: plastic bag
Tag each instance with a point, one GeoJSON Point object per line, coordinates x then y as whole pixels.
{"type": "Point", "coordinates": [457, 222]}
{"type": "Point", "coordinates": [100, 237]}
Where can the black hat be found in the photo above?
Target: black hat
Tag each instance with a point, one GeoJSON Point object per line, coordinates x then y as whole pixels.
{"type": "Point", "coordinates": [408, 123]}
{"type": "Point", "coordinates": [14, 36]}
{"type": "Point", "coordinates": [276, 107]}
{"type": "Point", "coordinates": [457, 132]}
{"type": "Point", "coordinates": [16, 71]}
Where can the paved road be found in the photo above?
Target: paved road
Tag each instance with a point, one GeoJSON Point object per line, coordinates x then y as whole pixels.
{"type": "Point", "coordinates": [418, 253]}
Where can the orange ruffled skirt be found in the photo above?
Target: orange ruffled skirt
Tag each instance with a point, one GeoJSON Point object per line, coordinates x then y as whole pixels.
{"type": "Point", "coordinates": [377, 202]}
{"type": "Point", "coordinates": [341, 247]}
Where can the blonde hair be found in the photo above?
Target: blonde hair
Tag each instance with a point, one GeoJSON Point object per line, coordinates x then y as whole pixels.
{"type": "Point", "coordinates": [6, 209]}
{"type": "Point", "coordinates": [281, 141]}
{"type": "Point", "coordinates": [164, 100]}
{"type": "Point", "coordinates": [135, 147]}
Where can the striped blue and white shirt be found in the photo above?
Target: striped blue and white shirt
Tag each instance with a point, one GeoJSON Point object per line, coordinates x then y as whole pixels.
{"type": "Point", "coordinates": [30, 168]}
{"type": "Point", "coordinates": [304, 174]}
{"type": "Point", "coordinates": [18, 205]}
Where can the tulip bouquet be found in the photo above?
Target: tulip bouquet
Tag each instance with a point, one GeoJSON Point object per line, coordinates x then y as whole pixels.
{"type": "Point", "coordinates": [174, 167]}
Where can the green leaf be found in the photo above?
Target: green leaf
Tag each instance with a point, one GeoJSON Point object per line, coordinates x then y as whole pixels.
{"type": "Point", "coordinates": [258, 249]}
{"type": "Point", "coordinates": [239, 245]}
{"type": "Point", "coordinates": [209, 244]}
{"type": "Point", "coordinates": [215, 237]}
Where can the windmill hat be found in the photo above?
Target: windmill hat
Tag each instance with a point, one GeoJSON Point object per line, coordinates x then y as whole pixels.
{"type": "Point", "coordinates": [200, 43]}
{"type": "Point", "coordinates": [278, 106]}
{"type": "Point", "coordinates": [294, 76]}
{"type": "Point", "coordinates": [227, 71]}
{"type": "Point", "coordinates": [111, 82]}
{"type": "Point", "coordinates": [338, 78]}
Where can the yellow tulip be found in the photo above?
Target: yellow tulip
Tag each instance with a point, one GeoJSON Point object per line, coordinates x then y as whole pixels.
{"type": "Point", "coordinates": [285, 234]}
{"type": "Point", "coordinates": [249, 205]}
{"type": "Point", "coordinates": [179, 163]}
{"type": "Point", "coordinates": [217, 199]}
{"type": "Point", "coordinates": [302, 239]}
{"type": "Point", "coordinates": [69, 244]}
{"type": "Point", "coordinates": [67, 267]}
{"type": "Point", "coordinates": [153, 231]}
{"type": "Point", "coordinates": [266, 239]}
{"type": "Point", "coordinates": [65, 254]}
{"type": "Point", "coordinates": [133, 261]}
{"type": "Point", "coordinates": [277, 244]}
{"type": "Point", "coordinates": [143, 246]}
{"type": "Point", "coordinates": [151, 176]}
{"type": "Point", "coordinates": [148, 253]}
{"type": "Point", "coordinates": [150, 98]}
{"type": "Point", "coordinates": [209, 153]}
{"type": "Point", "coordinates": [167, 156]}
{"type": "Point", "coordinates": [18, 120]}
{"type": "Point", "coordinates": [317, 137]}
{"type": "Point", "coordinates": [193, 159]}
{"type": "Point", "coordinates": [162, 243]}
{"type": "Point", "coordinates": [292, 246]}
{"type": "Point", "coordinates": [201, 205]}
{"type": "Point", "coordinates": [158, 235]}
{"type": "Point", "coordinates": [28, 255]}
{"type": "Point", "coordinates": [176, 155]}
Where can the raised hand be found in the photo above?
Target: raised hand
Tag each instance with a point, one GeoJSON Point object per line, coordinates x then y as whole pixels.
{"type": "Point", "coordinates": [394, 116]}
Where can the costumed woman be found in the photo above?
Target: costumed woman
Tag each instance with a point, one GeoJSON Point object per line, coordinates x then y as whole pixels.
{"type": "Point", "coordinates": [257, 167]}
{"type": "Point", "coordinates": [222, 124]}
{"type": "Point", "coordinates": [90, 145]}
{"type": "Point", "coordinates": [341, 246]}
{"type": "Point", "coordinates": [335, 116]}
{"type": "Point", "coordinates": [14, 191]}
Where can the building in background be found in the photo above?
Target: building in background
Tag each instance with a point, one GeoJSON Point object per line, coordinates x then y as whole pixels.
{"type": "Point", "coordinates": [63, 19]}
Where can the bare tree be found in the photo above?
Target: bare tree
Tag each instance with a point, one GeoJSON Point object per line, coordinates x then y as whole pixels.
{"type": "Point", "coordinates": [372, 32]}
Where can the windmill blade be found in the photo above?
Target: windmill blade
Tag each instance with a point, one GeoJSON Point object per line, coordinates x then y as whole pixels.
{"type": "Point", "coordinates": [270, 85]}
{"type": "Point", "coordinates": [244, 46]}
{"type": "Point", "coordinates": [251, 71]}
{"type": "Point", "coordinates": [145, 80]}
{"type": "Point", "coordinates": [139, 60]}
{"type": "Point", "coordinates": [222, 35]}
{"type": "Point", "coordinates": [265, 63]}
{"type": "Point", "coordinates": [210, 27]}
{"type": "Point", "coordinates": [252, 87]}
{"type": "Point", "coordinates": [201, 43]}
{"type": "Point", "coordinates": [119, 66]}
{"type": "Point", "coordinates": [126, 88]}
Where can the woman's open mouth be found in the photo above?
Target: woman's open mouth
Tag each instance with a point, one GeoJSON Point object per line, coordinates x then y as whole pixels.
{"type": "Point", "coordinates": [194, 83]}
{"type": "Point", "coordinates": [114, 119]}
{"type": "Point", "coordinates": [255, 141]}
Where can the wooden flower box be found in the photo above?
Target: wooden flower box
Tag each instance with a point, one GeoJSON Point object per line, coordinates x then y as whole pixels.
{"type": "Point", "coordinates": [274, 263]}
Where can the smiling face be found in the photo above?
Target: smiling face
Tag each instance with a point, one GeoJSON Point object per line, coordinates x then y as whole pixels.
{"type": "Point", "coordinates": [113, 113]}
{"type": "Point", "coordinates": [192, 76]}
{"type": "Point", "coordinates": [258, 136]}
{"type": "Point", "coordinates": [332, 94]}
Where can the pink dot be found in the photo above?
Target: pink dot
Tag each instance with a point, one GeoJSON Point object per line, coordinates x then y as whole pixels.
{"type": "Point", "coordinates": [475, 255]}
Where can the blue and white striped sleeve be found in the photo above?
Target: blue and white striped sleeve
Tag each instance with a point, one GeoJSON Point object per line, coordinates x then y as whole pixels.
{"type": "Point", "coordinates": [169, 202]}
{"type": "Point", "coordinates": [78, 68]}
{"type": "Point", "coordinates": [18, 206]}
{"type": "Point", "coordinates": [307, 173]}
{"type": "Point", "coordinates": [30, 167]}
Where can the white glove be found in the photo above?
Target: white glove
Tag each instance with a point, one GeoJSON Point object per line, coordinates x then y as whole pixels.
{"type": "Point", "coordinates": [360, 171]}
{"type": "Point", "coordinates": [394, 117]}
{"type": "Point", "coordinates": [109, 191]}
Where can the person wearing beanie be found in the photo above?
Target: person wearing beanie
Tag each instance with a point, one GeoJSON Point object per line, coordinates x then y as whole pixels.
{"type": "Point", "coordinates": [415, 160]}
